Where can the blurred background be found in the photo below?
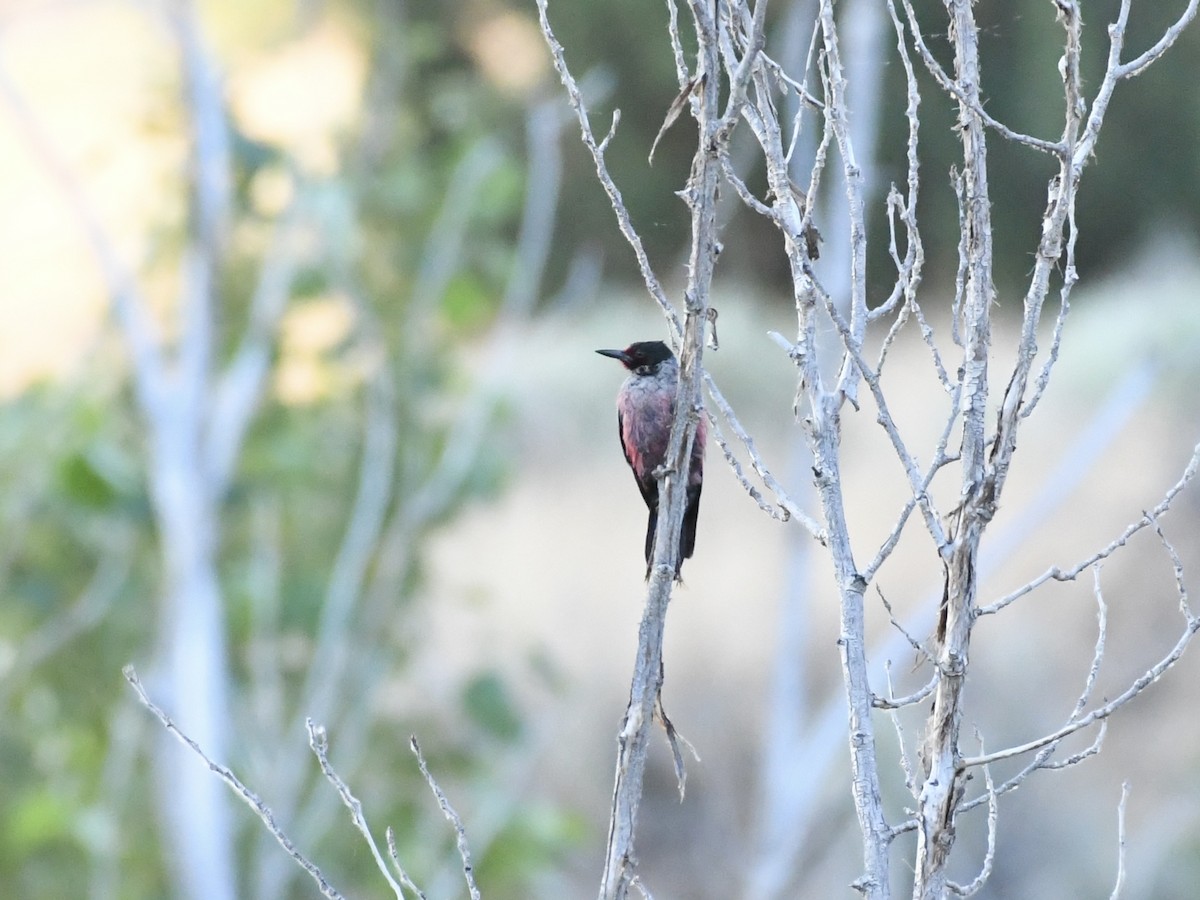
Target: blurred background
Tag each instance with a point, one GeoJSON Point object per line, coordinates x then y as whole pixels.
{"type": "Point", "coordinates": [299, 414]}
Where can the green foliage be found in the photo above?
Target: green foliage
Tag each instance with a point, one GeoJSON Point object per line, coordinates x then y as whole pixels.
{"type": "Point", "coordinates": [487, 702]}
{"type": "Point", "coordinates": [80, 482]}
{"type": "Point", "coordinates": [77, 754]}
{"type": "Point", "coordinates": [535, 838]}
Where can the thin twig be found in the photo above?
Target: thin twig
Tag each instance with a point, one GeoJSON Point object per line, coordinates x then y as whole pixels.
{"type": "Point", "coordinates": [1138, 64]}
{"type": "Point", "coordinates": [912, 641]}
{"type": "Point", "coordinates": [950, 86]}
{"type": "Point", "coordinates": [1120, 883]}
{"type": "Point", "coordinates": [248, 797]}
{"type": "Point", "coordinates": [1079, 756]}
{"type": "Point", "coordinates": [1054, 573]}
{"type": "Point", "coordinates": [910, 780]}
{"type": "Point", "coordinates": [756, 462]}
{"type": "Point", "coordinates": [460, 832]}
{"type": "Point", "coordinates": [624, 223]}
{"type": "Point", "coordinates": [390, 837]}
{"type": "Point", "coordinates": [989, 858]}
{"type": "Point", "coordinates": [1042, 760]}
{"type": "Point", "coordinates": [1098, 653]}
{"type": "Point", "coordinates": [1149, 677]}
{"type": "Point", "coordinates": [917, 483]}
{"type": "Point", "coordinates": [1176, 565]}
{"type": "Point", "coordinates": [676, 742]}
{"type": "Point", "coordinates": [908, 700]}
{"type": "Point", "coordinates": [318, 740]}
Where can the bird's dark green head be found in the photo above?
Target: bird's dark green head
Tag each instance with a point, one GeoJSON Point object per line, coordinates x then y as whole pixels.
{"type": "Point", "coordinates": [642, 358]}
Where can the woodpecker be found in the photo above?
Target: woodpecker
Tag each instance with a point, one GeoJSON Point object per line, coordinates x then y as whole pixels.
{"type": "Point", "coordinates": [645, 412]}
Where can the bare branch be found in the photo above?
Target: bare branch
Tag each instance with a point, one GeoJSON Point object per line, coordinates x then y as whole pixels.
{"type": "Point", "coordinates": [248, 797]}
{"type": "Point", "coordinates": [940, 459]}
{"type": "Point", "coordinates": [1151, 675]}
{"type": "Point", "coordinates": [390, 838]}
{"type": "Point", "coordinates": [912, 642]}
{"type": "Point", "coordinates": [756, 462]}
{"type": "Point", "coordinates": [746, 195]}
{"type": "Point", "coordinates": [739, 78]}
{"type": "Point", "coordinates": [909, 700]}
{"type": "Point", "coordinates": [1054, 573]}
{"type": "Point", "coordinates": [646, 685]}
{"type": "Point", "coordinates": [1176, 566]}
{"type": "Point", "coordinates": [800, 89]}
{"type": "Point", "coordinates": [460, 833]}
{"type": "Point", "coordinates": [1115, 71]}
{"type": "Point", "coordinates": [955, 90]}
{"type": "Point", "coordinates": [606, 181]}
{"type": "Point", "coordinates": [908, 272]}
{"type": "Point", "coordinates": [910, 780]}
{"type": "Point", "coordinates": [941, 792]}
{"type": "Point", "coordinates": [238, 390]}
{"type": "Point", "coordinates": [985, 871]}
{"type": "Point", "coordinates": [1098, 654]}
{"type": "Point", "coordinates": [1076, 758]}
{"type": "Point", "coordinates": [318, 740]}
{"type": "Point", "coordinates": [780, 512]}
{"type": "Point", "coordinates": [917, 483]}
{"type": "Point", "coordinates": [1043, 761]}
{"type": "Point", "coordinates": [681, 67]}
{"type": "Point", "coordinates": [836, 115]}
{"type": "Point", "coordinates": [1116, 891]}
{"type": "Point", "coordinates": [1140, 63]}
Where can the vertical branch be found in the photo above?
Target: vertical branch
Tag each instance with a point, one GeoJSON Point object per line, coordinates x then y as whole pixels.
{"type": "Point", "coordinates": [837, 116]}
{"type": "Point", "coordinates": [633, 739]}
{"type": "Point", "coordinates": [824, 429]}
{"type": "Point", "coordinates": [1120, 883]}
{"type": "Point", "coordinates": [942, 789]}
{"type": "Point", "coordinates": [823, 425]}
{"type": "Point", "coordinates": [1060, 208]}
{"type": "Point", "coordinates": [211, 163]}
{"type": "Point", "coordinates": [172, 386]}
{"type": "Point", "coordinates": [821, 409]}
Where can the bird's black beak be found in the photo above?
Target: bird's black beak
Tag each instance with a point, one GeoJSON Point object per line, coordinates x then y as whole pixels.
{"type": "Point", "coordinates": [616, 354]}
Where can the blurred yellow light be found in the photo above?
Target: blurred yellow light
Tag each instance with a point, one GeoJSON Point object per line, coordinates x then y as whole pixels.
{"type": "Point", "coordinates": [510, 52]}
{"type": "Point", "coordinates": [302, 97]}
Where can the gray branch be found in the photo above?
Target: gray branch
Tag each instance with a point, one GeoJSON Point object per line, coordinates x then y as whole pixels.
{"type": "Point", "coordinates": [244, 793]}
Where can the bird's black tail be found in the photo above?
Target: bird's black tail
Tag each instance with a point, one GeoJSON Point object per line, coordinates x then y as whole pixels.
{"type": "Point", "coordinates": [651, 527]}
{"type": "Point", "coordinates": [687, 535]}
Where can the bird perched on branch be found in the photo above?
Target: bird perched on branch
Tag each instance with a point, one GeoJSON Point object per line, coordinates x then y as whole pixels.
{"type": "Point", "coordinates": [645, 413]}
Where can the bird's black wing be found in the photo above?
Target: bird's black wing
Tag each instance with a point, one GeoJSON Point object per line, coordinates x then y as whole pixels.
{"type": "Point", "coordinates": [649, 487]}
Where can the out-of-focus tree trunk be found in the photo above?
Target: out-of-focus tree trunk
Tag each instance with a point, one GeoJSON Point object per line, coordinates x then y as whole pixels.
{"type": "Point", "coordinates": [790, 779]}
{"type": "Point", "coordinates": [193, 666]}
